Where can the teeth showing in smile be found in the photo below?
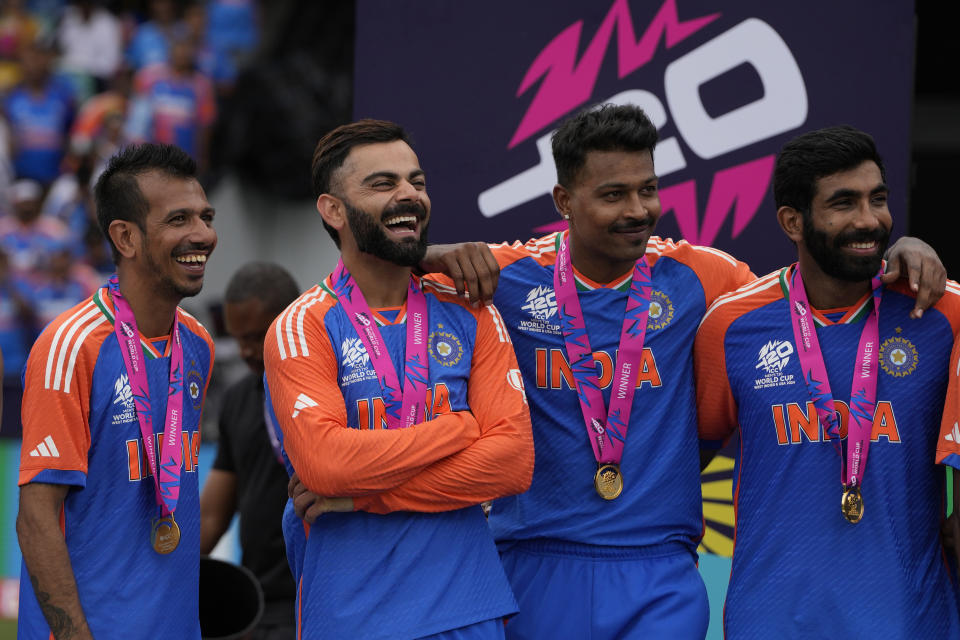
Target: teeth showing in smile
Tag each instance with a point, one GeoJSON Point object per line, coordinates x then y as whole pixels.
{"type": "Point", "coordinates": [198, 259]}
{"type": "Point", "coordinates": [862, 245]}
{"type": "Point", "coordinates": [409, 221]}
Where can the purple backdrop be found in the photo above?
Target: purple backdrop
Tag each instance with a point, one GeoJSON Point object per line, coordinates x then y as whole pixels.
{"type": "Point", "coordinates": [481, 85]}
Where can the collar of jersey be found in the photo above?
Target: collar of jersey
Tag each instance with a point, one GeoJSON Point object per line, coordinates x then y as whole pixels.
{"type": "Point", "coordinates": [381, 321]}
{"type": "Point", "coordinates": [586, 284]}
{"type": "Point", "coordinates": [852, 314]}
{"type": "Point", "coordinates": [103, 301]}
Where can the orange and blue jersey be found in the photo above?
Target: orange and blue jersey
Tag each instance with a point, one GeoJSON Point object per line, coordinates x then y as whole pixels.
{"type": "Point", "coordinates": [799, 568]}
{"type": "Point", "coordinates": [416, 557]}
{"type": "Point", "coordinates": [80, 429]}
{"type": "Point", "coordinates": [948, 444]}
{"type": "Point", "coordinates": [170, 108]}
{"type": "Point", "coordinates": [661, 500]}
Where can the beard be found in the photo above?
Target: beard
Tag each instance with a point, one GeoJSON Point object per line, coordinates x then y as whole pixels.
{"type": "Point", "coordinates": [829, 256]}
{"type": "Point", "coordinates": [164, 284]}
{"type": "Point", "coordinates": [372, 239]}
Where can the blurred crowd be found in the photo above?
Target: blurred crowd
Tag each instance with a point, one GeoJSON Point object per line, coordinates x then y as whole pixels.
{"type": "Point", "coordinates": [77, 81]}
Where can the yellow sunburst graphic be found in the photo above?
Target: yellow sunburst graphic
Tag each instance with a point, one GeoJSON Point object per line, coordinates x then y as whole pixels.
{"type": "Point", "coordinates": [717, 485]}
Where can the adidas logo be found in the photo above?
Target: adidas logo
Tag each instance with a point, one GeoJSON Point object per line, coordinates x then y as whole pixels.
{"type": "Point", "coordinates": [953, 436]}
{"type": "Point", "coordinates": [303, 401]}
{"type": "Point", "coordinates": [45, 449]}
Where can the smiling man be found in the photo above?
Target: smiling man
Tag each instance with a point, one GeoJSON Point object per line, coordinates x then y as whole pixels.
{"type": "Point", "coordinates": [402, 407]}
{"type": "Point", "coordinates": [109, 521]}
{"type": "Point", "coordinates": [818, 558]}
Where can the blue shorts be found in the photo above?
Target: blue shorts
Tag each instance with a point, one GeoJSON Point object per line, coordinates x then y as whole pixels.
{"type": "Point", "coordinates": [568, 590]}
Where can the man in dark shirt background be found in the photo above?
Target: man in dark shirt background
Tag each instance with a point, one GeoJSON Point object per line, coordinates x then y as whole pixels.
{"type": "Point", "coordinates": [247, 475]}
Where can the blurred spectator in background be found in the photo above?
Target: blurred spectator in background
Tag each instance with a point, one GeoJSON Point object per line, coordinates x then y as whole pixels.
{"type": "Point", "coordinates": [6, 166]}
{"type": "Point", "coordinates": [17, 28]}
{"type": "Point", "coordinates": [39, 111]}
{"type": "Point", "coordinates": [99, 126]}
{"type": "Point", "coordinates": [151, 41]}
{"type": "Point", "coordinates": [27, 237]}
{"type": "Point", "coordinates": [174, 104]}
{"type": "Point", "coordinates": [214, 63]}
{"type": "Point", "coordinates": [90, 41]}
{"type": "Point", "coordinates": [65, 283]}
{"type": "Point", "coordinates": [16, 336]}
{"type": "Point", "coordinates": [248, 474]}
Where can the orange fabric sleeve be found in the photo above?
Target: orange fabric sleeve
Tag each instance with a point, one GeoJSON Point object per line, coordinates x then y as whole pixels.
{"type": "Point", "coordinates": [716, 408]}
{"type": "Point", "coordinates": [500, 463]}
{"type": "Point", "coordinates": [948, 444]}
{"type": "Point", "coordinates": [332, 459]}
{"type": "Point", "coordinates": [719, 272]}
{"type": "Point", "coordinates": [56, 397]}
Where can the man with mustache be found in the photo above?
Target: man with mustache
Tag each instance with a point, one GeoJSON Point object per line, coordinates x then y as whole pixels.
{"type": "Point", "coordinates": [816, 557]}
{"type": "Point", "coordinates": [399, 404]}
{"type": "Point", "coordinates": [109, 520]}
{"type": "Point", "coordinates": [603, 544]}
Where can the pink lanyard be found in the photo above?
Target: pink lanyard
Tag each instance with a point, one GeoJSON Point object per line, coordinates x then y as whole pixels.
{"type": "Point", "coordinates": [863, 393]}
{"type": "Point", "coordinates": [606, 429]}
{"type": "Point", "coordinates": [407, 412]}
{"type": "Point", "coordinates": [166, 476]}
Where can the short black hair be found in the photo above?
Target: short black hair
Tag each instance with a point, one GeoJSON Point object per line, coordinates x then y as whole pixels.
{"type": "Point", "coordinates": [817, 154]}
{"type": "Point", "coordinates": [117, 193]}
{"type": "Point", "coordinates": [267, 282]}
{"type": "Point", "coordinates": [609, 127]}
{"type": "Point", "coordinates": [333, 148]}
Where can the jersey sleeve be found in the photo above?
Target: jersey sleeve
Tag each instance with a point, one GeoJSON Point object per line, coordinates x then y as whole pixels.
{"type": "Point", "coordinates": [56, 401]}
{"type": "Point", "coordinates": [716, 407]}
{"type": "Point", "coordinates": [948, 444]}
{"type": "Point", "coordinates": [720, 273]}
{"type": "Point", "coordinates": [331, 458]}
{"type": "Point", "coordinates": [500, 463]}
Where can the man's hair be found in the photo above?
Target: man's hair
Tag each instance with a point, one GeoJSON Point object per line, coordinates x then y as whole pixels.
{"type": "Point", "coordinates": [332, 151]}
{"type": "Point", "coordinates": [608, 127]}
{"type": "Point", "coordinates": [817, 154]}
{"type": "Point", "coordinates": [267, 282]}
{"type": "Point", "coordinates": [117, 194]}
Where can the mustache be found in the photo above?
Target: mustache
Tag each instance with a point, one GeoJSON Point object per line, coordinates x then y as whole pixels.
{"type": "Point", "coordinates": [405, 208]}
{"type": "Point", "coordinates": [192, 247]}
{"type": "Point", "coordinates": [631, 224]}
{"type": "Point", "coordinates": [880, 235]}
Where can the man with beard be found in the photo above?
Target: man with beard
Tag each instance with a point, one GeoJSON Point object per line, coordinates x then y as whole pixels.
{"type": "Point", "coordinates": [814, 557]}
{"type": "Point", "coordinates": [402, 463]}
{"type": "Point", "coordinates": [109, 521]}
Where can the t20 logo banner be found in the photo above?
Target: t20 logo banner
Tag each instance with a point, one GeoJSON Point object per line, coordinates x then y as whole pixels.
{"type": "Point", "coordinates": [482, 85]}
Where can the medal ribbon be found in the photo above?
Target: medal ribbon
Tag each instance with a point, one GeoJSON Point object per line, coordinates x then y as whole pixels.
{"type": "Point", "coordinates": [402, 411]}
{"type": "Point", "coordinates": [863, 392]}
{"type": "Point", "coordinates": [166, 475]}
{"type": "Point", "coordinates": [606, 429]}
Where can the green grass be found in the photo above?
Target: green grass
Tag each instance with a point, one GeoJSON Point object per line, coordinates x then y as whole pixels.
{"type": "Point", "coordinates": [8, 629]}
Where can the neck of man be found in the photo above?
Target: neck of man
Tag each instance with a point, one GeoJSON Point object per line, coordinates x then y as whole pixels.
{"type": "Point", "coordinates": [828, 292]}
{"type": "Point", "coordinates": [153, 311]}
{"type": "Point", "coordinates": [383, 283]}
{"type": "Point", "coordinates": [600, 268]}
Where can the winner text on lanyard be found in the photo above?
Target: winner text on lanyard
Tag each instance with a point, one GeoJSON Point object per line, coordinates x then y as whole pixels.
{"type": "Point", "coordinates": [401, 410]}
{"type": "Point", "coordinates": [863, 393]}
{"type": "Point", "coordinates": [606, 429]}
{"type": "Point", "coordinates": [165, 533]}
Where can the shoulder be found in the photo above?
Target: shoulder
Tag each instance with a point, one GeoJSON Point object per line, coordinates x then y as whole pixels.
{"type": "Point", "coordinates": [191, 324]}
{"type": "Point", "coordinates": [700, 259]}
{"type": "Point", "coordinates": [948, 305]}
{"type": "Point", "coordinates": [731, 306]}
{"type": "Point", "coordinates": [76, 335]}
{"type": "Point", "coordinates": [543, 250]}
{"type": "Point", "coordinates": [287, 334]}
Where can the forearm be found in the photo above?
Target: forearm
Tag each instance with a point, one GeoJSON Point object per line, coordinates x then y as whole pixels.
{"type": "Point", "coordinates": [493, 467]}
{"type": "Point", "coordinates": [51, 574]}
{"type": "Point", "coordinates": [344, 462]}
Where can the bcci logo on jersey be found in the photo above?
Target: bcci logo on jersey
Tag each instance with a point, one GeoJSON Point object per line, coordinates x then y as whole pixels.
{"type": "Point", "coordinates": [898, 356]}
{"type": "Point", "coordinates": [773, 359]}
{"type": "Point", "coordinates": [354, 361]}
{"type": "Point", "coordinates": [194, 387]}
{"type": "Point", "coordinates": [445, 348]}
{"type": "Point", "coordinates": [661, 311]}
{"type": "Point", "coordinates": [123, 396]}
{"type": "Point", "coordinates": [541, 304]}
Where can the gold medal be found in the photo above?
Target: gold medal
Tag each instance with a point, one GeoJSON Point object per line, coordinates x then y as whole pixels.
{"type": "Point", "coordinates": [165, 535]}
{"type": "Point", "coordinates": [852, 505]}
{"type": "Point", "coordinates": [608, 481]}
